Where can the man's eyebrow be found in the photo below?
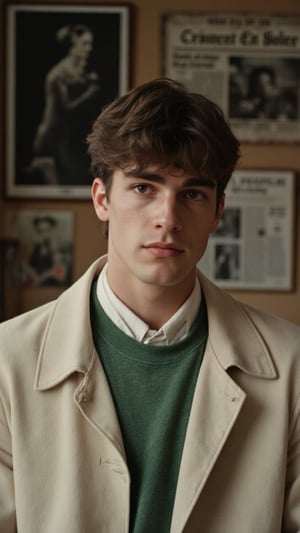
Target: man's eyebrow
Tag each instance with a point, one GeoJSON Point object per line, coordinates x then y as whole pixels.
{"type": "Point", "coordinates": [200, 182]}
{"type": "Point", "coordinates": [158, 178]}
{"type": "Point", "coordinates": [144, 174]}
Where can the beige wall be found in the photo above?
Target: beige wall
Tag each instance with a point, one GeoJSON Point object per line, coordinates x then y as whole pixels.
{"type": "Point", "coordinates": [146, 64]}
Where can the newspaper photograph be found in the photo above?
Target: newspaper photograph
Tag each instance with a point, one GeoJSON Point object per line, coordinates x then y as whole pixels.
{"type": "Point", "coordinates": [248, 64]}
{"type": "Point", "coordinates": [253, 246]}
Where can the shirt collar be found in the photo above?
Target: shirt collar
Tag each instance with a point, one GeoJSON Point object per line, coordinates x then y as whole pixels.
{"type": "Point", "coordinates": [175, 329]}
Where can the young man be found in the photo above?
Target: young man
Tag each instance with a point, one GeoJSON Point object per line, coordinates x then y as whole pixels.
{"type": "Point", "coordinates": [145, 399]}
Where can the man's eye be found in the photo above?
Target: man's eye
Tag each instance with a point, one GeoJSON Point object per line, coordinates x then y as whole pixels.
{"type": "Point", "coordinates": [194, 195]}
{"type": "Point", "coordinates": [141, 188]}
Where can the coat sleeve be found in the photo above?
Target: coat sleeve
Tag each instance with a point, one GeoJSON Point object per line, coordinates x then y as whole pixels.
{"type": "Point", "coordinates": [291, 523]}
{"type": "Point", "coordinates": [7, 499]}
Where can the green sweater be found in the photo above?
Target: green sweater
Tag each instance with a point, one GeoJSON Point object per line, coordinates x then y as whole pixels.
{"type": "Point", "coordinates": [152, 388]}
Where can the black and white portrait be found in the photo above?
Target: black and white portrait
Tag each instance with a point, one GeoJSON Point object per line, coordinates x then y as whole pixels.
{"type": "Point", "coordinates": [264, 88]}
{"type": "Point", "coordinates": [230, 223]}
{"type": "Point", "coordinates": [227, 262]}
{"type": "Point", "coordinates": [68, 63]}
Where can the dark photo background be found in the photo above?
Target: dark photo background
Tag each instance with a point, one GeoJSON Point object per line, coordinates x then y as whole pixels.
{"type": "Point", "coordinates": [37, 51]}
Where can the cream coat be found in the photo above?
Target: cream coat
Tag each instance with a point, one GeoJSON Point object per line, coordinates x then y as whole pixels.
{"type": "Point", "coordinates": [62, 462]}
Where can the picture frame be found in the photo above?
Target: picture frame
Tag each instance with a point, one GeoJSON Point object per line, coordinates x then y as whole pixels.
{"type": "Point", "coordinates": [254, 245]}
{"type": "Point", "coordinates": [45, 240]}
{"type": "Point", "coordinates": [64, 63]}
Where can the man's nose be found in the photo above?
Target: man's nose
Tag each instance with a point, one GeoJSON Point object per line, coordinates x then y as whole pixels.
{"type": "Point", "coordinates": [167, 216]}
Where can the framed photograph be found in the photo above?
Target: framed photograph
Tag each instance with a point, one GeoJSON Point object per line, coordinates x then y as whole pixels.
{"type": "Point", "coordinates": [248, 64]}
{"type": "Point", "coordinates": [253, 247]}
{"type": "Point", "coordinates": [45, 247]}
{"type": "Point", "coordinates": [63, 64]}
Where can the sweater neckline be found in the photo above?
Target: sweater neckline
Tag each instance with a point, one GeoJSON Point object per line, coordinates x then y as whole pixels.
{"type": "Point", "coordinates": [104, 330]}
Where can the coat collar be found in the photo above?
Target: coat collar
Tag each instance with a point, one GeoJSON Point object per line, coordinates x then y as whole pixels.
{"type": "Point", "coordinates": [67, 345]}
{"type": "Point", "coordinates": [235, 333]}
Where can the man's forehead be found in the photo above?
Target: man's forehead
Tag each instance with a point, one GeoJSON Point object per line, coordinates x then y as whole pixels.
{"type": "Point", "coordinates": [157, 172]}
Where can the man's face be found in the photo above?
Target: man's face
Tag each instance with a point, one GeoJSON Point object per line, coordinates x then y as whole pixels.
{"type": "Point", "coordinates": [44, 231]}
{"type": "Point", "coordinates": [83, 44]}
{"type": "Point", "coordinates": [159, 224]}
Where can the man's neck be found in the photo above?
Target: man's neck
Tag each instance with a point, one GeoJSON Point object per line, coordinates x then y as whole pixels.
{"type": "Point", "coordinates": [155, 305]}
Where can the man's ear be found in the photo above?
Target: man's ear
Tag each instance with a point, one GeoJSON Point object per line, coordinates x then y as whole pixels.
{"type": "Point", "coordinates": [100, 199]}
{"type": "Point", "coordinates": [219, 213]}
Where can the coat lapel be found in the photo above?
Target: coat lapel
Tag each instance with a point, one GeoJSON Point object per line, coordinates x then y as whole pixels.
{"type": "Point", "coordinates": [216, 406]}
{"type": "Point", "coordinates": [233, 341]}
{"type": "Point", "coordinates": [68, 348]}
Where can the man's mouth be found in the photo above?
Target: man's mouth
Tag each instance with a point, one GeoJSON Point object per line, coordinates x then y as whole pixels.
{"type": "Point", "coordinates": [163, 249]}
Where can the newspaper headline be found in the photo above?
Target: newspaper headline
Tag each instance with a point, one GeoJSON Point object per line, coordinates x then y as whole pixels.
{"type": "Point", "coordinates": [248, 64]}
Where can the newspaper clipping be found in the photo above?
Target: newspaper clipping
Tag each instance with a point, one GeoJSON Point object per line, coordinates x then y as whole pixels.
{"type": "Point", "coordinates": [249, 65]}
{"type": "Point", "coordinates": [253, 246]}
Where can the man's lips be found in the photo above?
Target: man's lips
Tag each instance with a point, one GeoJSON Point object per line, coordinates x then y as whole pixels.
{"type": "Point", "coordinates": [163, 249]}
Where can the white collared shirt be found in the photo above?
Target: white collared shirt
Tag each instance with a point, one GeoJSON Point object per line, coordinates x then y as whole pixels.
{"type": "Point", "coordinates": [175, 329]}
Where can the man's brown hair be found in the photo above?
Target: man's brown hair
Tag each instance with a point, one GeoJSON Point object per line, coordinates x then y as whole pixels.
{"type": "Point", "coordinates": [162, 123]}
